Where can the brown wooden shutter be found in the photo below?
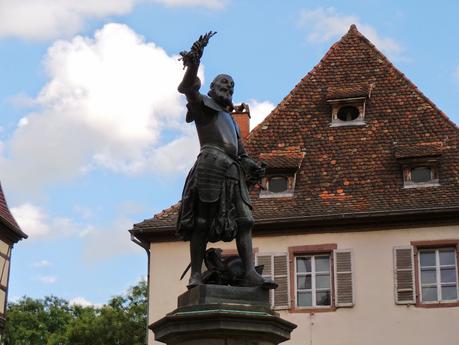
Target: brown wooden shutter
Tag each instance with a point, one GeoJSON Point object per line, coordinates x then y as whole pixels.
{"type": "Point", "coordinates": [266, 261]}
{"type": "Point", "coordinates": [344, 289]}
{"type": "Point", "coordinates": [403, 275]}
{"type": "Point", "coordinates": [281, 294]}
{"type": "Point", "coordinates": [276, 268]}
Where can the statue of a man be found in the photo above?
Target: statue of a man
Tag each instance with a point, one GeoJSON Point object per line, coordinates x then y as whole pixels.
{"type": "Point", "coordinates": [215, 202]}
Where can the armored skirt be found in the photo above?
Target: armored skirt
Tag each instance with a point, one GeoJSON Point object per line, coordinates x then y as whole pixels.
{"type": "Point", "coordinates": [216, 182]}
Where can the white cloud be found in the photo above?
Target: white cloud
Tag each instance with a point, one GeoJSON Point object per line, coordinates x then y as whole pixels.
{"type": "Point", "coordinates": [42, 264]}
{"type": "Point", "coordinates": [107, 102]}
{"type": "Point", "coordinates": [47, 279]}
{"type": "Point", "coordinates": [326, 23]}
{"type": "Point", "coordinates": [31, 219]}
{"type": "Point", "coordinates": [48, 19]}
{"type": "Point", "coordinates": [23, 122]}
{"type": "Point", "coordinates": [212, 4]}
{"type": "Point", "coordinates": [38, 224]}
{"type": "Point", "coordinates": [258, 111]}
{"type": "Point", "coordinates": [83, 302]}
{"type": "Point", "coordinates": [98, 248]}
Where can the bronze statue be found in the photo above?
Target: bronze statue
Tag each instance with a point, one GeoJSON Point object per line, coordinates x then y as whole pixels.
{"type": "Point", "coordinates": [215, 202]}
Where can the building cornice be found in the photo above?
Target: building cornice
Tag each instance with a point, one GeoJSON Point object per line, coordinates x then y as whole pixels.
{"type": "Point", "coordinates": [342, 222]}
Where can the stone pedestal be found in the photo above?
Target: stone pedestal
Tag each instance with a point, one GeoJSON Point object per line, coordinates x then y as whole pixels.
{"type": "Point", "coordinates": [222, 315]}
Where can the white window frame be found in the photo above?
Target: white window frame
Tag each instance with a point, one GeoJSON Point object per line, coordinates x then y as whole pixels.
{"type": "Point", "coordinates": [291, 181]}
{"type": "Point", "coordinates": [356, 102]}
{"type": "Point", "coordinates": [313, 274]}
{"type": "Point", "coordinates": [437, 268]}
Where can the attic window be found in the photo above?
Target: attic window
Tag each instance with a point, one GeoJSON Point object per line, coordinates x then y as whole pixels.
{"type": "Point", "coordinates": [278, 185]}
{"type": "Point", "coordinates": [420, 176]}
{"type": "Point", "coordinates": [420, 163]}
{"type": "Point", "coordinates": [347, 112]}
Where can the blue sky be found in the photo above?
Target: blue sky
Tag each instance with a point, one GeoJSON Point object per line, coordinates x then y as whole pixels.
{"type": "Point", "coordinates": [92, 130]}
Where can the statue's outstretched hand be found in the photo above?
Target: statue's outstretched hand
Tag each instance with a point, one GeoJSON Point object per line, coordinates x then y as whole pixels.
{"type": "Point", "coordinates": [193, 56]}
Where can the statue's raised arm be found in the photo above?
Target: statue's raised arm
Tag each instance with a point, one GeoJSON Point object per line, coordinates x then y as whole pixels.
{"type": "Point", "coordinates": [190, 84]}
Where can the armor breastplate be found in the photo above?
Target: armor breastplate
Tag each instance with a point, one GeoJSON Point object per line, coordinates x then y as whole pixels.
{"type": "Point", "coordinates": [220, 131]}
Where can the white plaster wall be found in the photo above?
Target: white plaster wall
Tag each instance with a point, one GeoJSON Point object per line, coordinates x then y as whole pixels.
{"type": "Point", "coordinates": [375, 319]}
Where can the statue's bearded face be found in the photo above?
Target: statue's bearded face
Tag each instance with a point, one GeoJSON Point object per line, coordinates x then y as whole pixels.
{"type": "Point", "coordinates": [221, 90]}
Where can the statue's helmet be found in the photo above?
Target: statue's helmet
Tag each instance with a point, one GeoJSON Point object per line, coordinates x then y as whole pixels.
{"type": "Point", "coordinates": [221, 90]}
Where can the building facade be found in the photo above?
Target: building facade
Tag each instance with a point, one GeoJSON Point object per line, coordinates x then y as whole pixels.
{"type": "Point", "coordinates": [10, 233]}
{"type": "Point", "coordinates": [358, 220]}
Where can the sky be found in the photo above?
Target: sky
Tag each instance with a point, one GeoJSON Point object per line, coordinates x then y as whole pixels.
{"type": "Point", "coordinates": [92, 130]}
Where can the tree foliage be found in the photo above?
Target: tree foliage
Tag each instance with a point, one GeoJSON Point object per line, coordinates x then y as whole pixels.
{"type": "Point", "coordinates": [53, 321]}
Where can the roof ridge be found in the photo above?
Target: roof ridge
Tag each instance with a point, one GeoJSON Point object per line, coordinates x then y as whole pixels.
{"type": "Point", "coordinates": [285, 100]}
{"type": "Point", "coordinates": [354, 31]}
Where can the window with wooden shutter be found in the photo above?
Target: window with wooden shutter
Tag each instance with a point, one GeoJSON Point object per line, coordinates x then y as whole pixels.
{"type": "Point", "coordinates": [344, 285]}
{"type": "Point", "coordinates": [403, 275]}
{"type": "Point", "coordinates": [276, 268]}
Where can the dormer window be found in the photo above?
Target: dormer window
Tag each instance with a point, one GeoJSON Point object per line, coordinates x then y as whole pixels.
{"type": "Point", "coordinates": [348, 112]}
{"type": "Point", "coordinates": [419, 163]}
{"type": "Point", "coordinates": [276, 185]}
{"type": "Point", "coordinates": [420, 176]}
{"type": "Point", "coordinates": [281, 169]}
{"type": "Point", "coordinates": [348, 104]}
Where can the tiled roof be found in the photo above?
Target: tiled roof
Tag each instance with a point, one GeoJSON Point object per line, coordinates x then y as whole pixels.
{"type": "Point", "coordinates": [351, 169]}
{"type": "Point", "coordinates": [425, 149]}
{"type": "Point", "coordinates": [348, 91]}
{"type": "Point", "coordinates": [8, 219]}
{"type": "Point", "coordinates": [282, 159]}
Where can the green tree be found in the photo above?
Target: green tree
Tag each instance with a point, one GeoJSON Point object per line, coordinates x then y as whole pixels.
{"type": "Point", "coordinates": [52, 321]}
{"type": "Point", "coordinates": [122, 321]}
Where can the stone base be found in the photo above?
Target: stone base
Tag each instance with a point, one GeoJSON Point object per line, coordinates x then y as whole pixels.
{"type": "Point", "coordinates": [222, 315]}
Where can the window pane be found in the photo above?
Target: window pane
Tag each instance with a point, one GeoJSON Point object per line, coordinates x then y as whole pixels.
{"type": "Point", "coordinates": [277, 184]}
{"type": "Point", "coordinates": [421, 174]}
{"type": "Point", "coordinates": [323, 281]}
{"type": "Point", "coordinates": [429, 294]}
{"type": "Point", "coordinates": [304, 283]}
{"type": "Point", "coordinates": [303, 265]}
{"type": "Point", "coordinates": [448, 275]}
{"type": "Point", "coordinates": [348, 113]}
{"type": "Point", "coordinates": [447, 257]}
{"type": "Point", "coordinates": [448, 292]}
{"type": "Point", "coordinates": [323, 298]}
{"type": "Point", "coordinates": [304, 299]}
{"type": "Point", "coordinates": [428, 276]}
{"type": "Point", "coordinates": [322, 263]}
{"type": "Point", "coordinates": [428, 258]}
